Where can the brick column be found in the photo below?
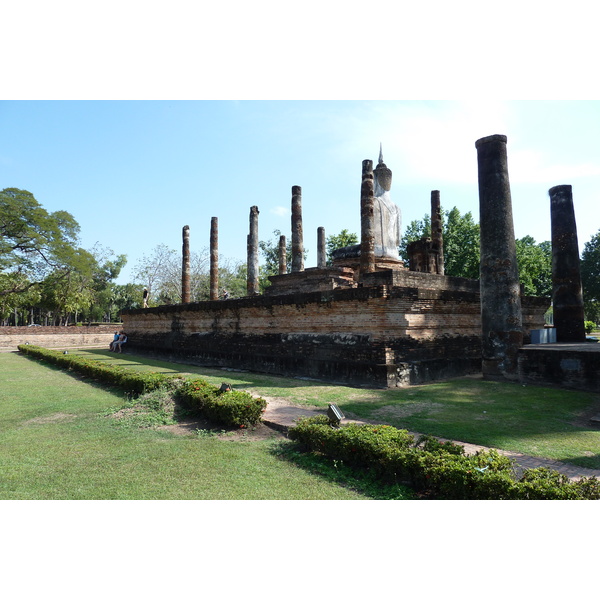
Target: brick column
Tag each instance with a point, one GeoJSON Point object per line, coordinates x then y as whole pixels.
{"type": "Point", "coordinates": [567, 296]}
{"type": "Point", "coordinates": [185, 266]}
{"type": "Point", "coordinates": [367, 224]}
{"type": "Point", "coordinates": [282, 255]}
{"type": "Point", "coordinates": [214, 258]}
{"type": "Point", "coordinates": [297, 234]}
{"type": "Point", "coordinates": [436, 229]}
{"type": "Point", "coordinates": [501, 317]}
{"type": "Point", "coordinates": [252, 283]}
{"type": "Point", "coordinates": [321, 248]}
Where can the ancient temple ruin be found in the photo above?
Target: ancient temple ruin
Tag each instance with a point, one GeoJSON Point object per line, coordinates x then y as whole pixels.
{"type": "Point", "coordinates": [367, 319]}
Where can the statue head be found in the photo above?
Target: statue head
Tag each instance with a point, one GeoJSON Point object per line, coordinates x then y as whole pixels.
{"type": "Point", "coordinates": [381, 174]}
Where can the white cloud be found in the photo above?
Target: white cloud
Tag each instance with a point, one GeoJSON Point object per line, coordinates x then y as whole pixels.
{"type": "Point", "coordinates": [280, 211]}
{"type": "Point", "coordinates": [530, 166]}
{"type": "Point", "coordinates": [421, 140]}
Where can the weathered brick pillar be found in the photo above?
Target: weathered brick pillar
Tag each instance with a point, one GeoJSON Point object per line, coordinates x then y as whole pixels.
{"type": "Point", "coordinates": [297, 234]}
{"type": "Point", "coordinates": [501, 317]}
{"type": "Point", "coordinates": [436, 229]}
{"type": "Point", "coordinates": [567, 296]}
{"type": "Point", "coordinates": [214, 258]}
{"type": "Point", "coordinates": [367, 221]}
{"type": "Point", "coordinates": [321, 248]}
{"type": "Point", "coordinates": [185, 266]}
{"type": "Point", "coordinates": [282, 255]}
{"type": "Point", "coordinates": [252, 283]}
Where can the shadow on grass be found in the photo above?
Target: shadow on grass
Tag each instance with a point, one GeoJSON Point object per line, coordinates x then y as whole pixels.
{"type": "Point", "coordinates": [113, 390]}
{"type": "Point", "coordinates": [588, 462]}
{"type": "Point", "coordinates": [528, 419]}
{"type": "Point", "coordinates": [335, 471]}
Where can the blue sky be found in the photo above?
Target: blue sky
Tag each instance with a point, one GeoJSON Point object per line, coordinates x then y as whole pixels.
{"type": "Point", "coordinates": [133, 173]}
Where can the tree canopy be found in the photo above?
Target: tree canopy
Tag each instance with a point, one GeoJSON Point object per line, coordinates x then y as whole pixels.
{"type": "Point", "coordinates": [160, 272]}
{"type": "Point", "coordinates": [462, 253]}
{"type": "Point", "coordinates": [461, 242]}
{"type": "Point", "coordinates": [341, 240]}
{"type": "Point", "coordinates": [590, 278]}
{"type": "Point", "coordinates": [42, 267]}
{"type": "Point", "coordinates": [33, 242]}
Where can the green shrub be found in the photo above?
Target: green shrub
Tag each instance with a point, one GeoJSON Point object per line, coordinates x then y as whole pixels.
{"type": "Point", "coordinates": [358, 445]}
{"type": "Point", "coordinates": [234, 408]}
{"type": "Point", "coordinates": [589, 326]}
{"type": "Point", "coordinates": [434, 468]}
{"type": "Point", "coordinates": [132, 382]}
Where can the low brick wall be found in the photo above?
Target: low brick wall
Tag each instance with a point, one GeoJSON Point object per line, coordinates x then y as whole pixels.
{"type": "Point", "coordinates": [575, 366]}
{"type": "Point", "coordinates": [56, 337]}
{"type": "Point", "coordinates": [382, 335]}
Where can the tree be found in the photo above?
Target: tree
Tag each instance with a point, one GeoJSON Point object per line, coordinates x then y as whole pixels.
{"type": "Point", "coordinates": [590, 278]}
{"type": "Point", "coordinates": [33, 242]}
{"type": "Point", "coordinates": [270, 252]}
{"type": "Point", "coordinates": [341, 240]}
{"type": "Point", "coordinates": [462, 253]}
{"type": "Point", "coordinates": [43, 269]}
{"type": "Point", "coordinates": [415, 231]}
{"type": "Point", "coordinates": [161, 274]}
{"type": "Point", "coordinates": [535, 266]}
{"type": "Point", "coordinates": [461, 242]}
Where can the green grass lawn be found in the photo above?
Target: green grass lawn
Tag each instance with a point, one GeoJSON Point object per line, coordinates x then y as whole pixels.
{"type": "Point", "coordinates": [58, 442]}
{"type": "Point", "coordinates": [540, 421]}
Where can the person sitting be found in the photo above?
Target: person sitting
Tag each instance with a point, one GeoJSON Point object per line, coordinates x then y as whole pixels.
{"type": "Point", "coordinates": [119, 343]}
{"type": "Point", "coordinates": [115, 339]}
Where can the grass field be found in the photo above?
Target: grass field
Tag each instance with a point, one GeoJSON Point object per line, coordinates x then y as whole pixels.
{"type": "Point", "coordinates": [58, 442]}
{"type": "Point", "coordinates": [539, 421]}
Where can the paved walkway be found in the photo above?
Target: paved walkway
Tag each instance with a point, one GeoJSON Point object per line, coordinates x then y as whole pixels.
{"type": "Point", "coordinates": [282, 415]}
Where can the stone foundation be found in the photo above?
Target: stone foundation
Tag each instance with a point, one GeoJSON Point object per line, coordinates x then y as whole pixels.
{"type": "Point", "coordinates": [402, 328]}
{"type": "Point", "coordinates": [575, 366]}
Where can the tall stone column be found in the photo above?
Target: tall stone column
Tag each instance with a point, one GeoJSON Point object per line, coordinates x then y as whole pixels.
{"type": "Point", "coordinates": [297, 233]}
{"type": "Point", "coordinates": [282, 255]}
{"type": "Point", "coordinates": [185, 266]}
{"type": "Point", "coordinates": [367, 220]}
{"type": "Point", "coordinates": [436, 229]}
{"type": "Point", "coordinates": [321, 248]}
{"type": "Point", "coordinates": [501, 317]}
{"type": "Point", "coordinates": [252, 283]}
{"type": "Point", "coordinates": [214, 258]}
{"type": "Point", "coordinates": [567, 296]}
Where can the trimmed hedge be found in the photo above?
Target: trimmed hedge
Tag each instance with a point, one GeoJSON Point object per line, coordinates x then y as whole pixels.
{"type": "Point", "coordinates": [233, 407]}
{"type": "Point", "coordinates": [437, 469]}
{"type": "Point", "coordinates": [132, 382]}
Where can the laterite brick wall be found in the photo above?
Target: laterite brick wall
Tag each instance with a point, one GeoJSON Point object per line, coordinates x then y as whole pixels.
{"type": "Point", "coordinates": [56, 337]}
{"type": "Point", "coordinates": [380, 336]}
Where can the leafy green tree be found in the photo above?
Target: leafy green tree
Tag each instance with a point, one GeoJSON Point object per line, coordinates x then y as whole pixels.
{"type": "Point", "coordinates": [535, 266]}
{"type": "Point", "coordinates": [341, 240]}
{"type": "Point", "coordinates": [414, 231]}
{"type": "Point", "coordinates": [33, 242]}
{"type": "Point", "coordinates": [233, 276]}
{"type": "Point", "coordinates": [43, 270]}
{"type": "Point", "coordinates": [461, 242]}
{"type": "Point", "coordinates": [270, 252]}
{"type": "Point", "coordinates": [590, 278]}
